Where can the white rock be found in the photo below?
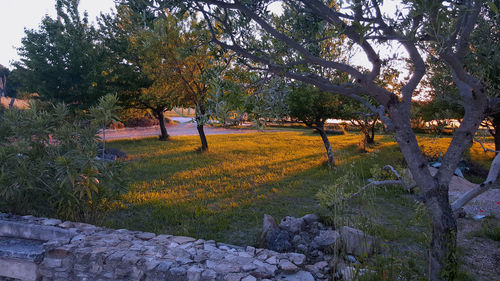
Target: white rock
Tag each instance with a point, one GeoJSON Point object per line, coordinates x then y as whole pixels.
{"type": "Point", "coordinates": [272, 260]}
{"type": "Point", "coordinates": [287, 266]}
{"type": "Point", "coordinates": [326, 238]}
{"type": "Point", "coordinates": [357, 243]}
{"type": "Point", "coordinates": [249, 278]}
{"type": "Point", "coordinates": [296, 258]}
{"type": "Point", "coordinates": [299, 276]}
{"type": "Point", "coordinates": [183, 239]}
{"type": "Point", "coordinates": [194, 273]}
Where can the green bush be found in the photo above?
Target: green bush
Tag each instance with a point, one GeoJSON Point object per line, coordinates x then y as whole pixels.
{"type": "Point", "coordinates": [49, 165]}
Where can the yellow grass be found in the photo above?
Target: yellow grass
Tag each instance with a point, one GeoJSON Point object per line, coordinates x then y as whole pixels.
{"type": "Point", "coordinates": [5, 101]}
{"type": "Point", "coordinates": [224, 193]}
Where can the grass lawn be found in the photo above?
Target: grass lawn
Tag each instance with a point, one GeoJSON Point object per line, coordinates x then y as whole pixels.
{"type": "Point", "coordinates": [224, 194]}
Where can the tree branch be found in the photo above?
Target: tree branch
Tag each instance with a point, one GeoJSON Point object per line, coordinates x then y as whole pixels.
{"type": "Point", "coordinates": [483, 187]}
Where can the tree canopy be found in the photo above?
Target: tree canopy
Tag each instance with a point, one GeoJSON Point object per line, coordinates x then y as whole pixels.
{"type": "Point", "coordinates": [63, 59]}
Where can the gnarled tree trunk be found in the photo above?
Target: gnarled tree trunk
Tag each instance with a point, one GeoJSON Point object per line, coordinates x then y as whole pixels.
{"type": "Point", "coordinates": [163, 129]}
{"type": "Point", "coordinates": [442, 253]}
{"type": "Point", "coordinates": [496, 130]}
{"type": "Point", "coordinates": [326, 142]}
{"type": "Point", "coordinates": [203, 138]}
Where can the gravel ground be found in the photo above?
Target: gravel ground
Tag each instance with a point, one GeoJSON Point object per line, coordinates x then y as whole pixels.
{"type": "Point", "coordinates": [181, 129]}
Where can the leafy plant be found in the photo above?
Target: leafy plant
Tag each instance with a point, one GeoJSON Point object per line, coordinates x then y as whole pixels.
{"type": "Point", "coordinates": [48, 165]}
{"type": "Point", "coordinates": [105, 112]}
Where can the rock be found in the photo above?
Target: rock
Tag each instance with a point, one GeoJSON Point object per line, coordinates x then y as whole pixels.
{"type": "Point", "coordinates": [278, 241]}
{"type": "Point", "coordinates": [164, 266]}
{"type": "Point", "coordinates": [145, 235]}
{"type": "Point", "coordinates": [194, 273]}
{"type": "Point", "coordinates": [326, 238]}
{"type": "Point", "coordinates": [178, 273]}
{"type": "Point", "coordinates": [183, 239]}
{"type": "Point", "coordinates": [272, 260]}
{"type": "Point", "coordinates": [319, 266]}
{"type": "Point", "coordinates": [227, 268]}
{"type": "Point", "coordinates": [268, 226]}
{"type": "Point", "coordinates": [287, 266]}
{"type": "Point", "coordinates": [250, 250]}
{"type": "Point", "coordinates": [302, 248]}
{"type": "Point", "coordinates": [299, 276]}
{"type": "Point", "coordinates": [248, 267]}
{"type": "Point", "coordinates": [51, 222]}
{"type": "Point", "coordinates": [297, 259]}
{"type": "Point", "coordinates": [357, 243]}
{"type": "Point", "coordinates": [233, 276]}
{"type": "Point", "coordinates": [249, 278]}
{"type": "Point", "coordinates": [317, 254]}
{"type": "Point", "coordinates": [291, 224]}
{"type": "Point", "coordinates": [351, 259]}
{"type": "Point", "coordinates": [208, 274]}
{"type": "Point", "coordinates": [297, 239]}
{"type": "Point", "coordinates": [310, 218]}
{"type": "Point", "coordinates": [350, 273]}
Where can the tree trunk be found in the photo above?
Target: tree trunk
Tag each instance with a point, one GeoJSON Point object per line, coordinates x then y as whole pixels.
{"type": "Point", "coordinates": [442, 254]}
{"type": "Point", "coordinates": [496, 127]}
{"type": "Point", "coordinates": [326, 142]}
{"type": "Point", "coordinates": [161, 118]}
{"type": "Point", "coordinates": [203, 138]}
{"type": "Point", "coordinates": [371, 139]}
{"type": "Point", "coordinates": [103, 140]}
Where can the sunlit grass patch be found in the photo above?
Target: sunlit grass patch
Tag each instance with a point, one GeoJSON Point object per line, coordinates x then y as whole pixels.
{"type": "Point", "coordinates": [223, 194]}
{"type": "Point", "coordinates": [237, 174]}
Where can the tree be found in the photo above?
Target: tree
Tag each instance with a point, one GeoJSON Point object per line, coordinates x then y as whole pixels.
{"type": "Point", "coordinates": [63, 60]}
{"type": "Point", "coordinates": [365, 121]}
{"type": "Point", "coordinates": [483, 63]}
{"type": "Point", "coordinates": [442, 27]}
{"type": "Point", "coordinates": [195, 66]}
{"type": "Point", "coordinates": [8, 87]}
{"type": "Point", "coordinates": [314, 107]}
{"type": "Point", "coordinates": [153, 47]}
{"type": "Point", "coordinates": [4, 72]}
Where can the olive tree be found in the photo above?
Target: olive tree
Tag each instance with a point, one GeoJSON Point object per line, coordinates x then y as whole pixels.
{"type": "Point", "coordinates": [314, 107]}
{"type": "Point", "coordinates": [294, 50]}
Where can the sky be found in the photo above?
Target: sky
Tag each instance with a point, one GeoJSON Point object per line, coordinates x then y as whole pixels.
{"type": "Point", "coordinates": [16, 15]}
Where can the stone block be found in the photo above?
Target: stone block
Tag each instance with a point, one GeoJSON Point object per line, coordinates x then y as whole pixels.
{"type": "Point", "coordinates": [19, 269]}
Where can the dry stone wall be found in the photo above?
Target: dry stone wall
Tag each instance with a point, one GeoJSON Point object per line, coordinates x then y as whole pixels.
{"type": "Point", "coordinates": [78, 251]}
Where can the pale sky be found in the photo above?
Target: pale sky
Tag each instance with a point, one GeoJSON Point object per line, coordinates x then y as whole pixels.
{"type": "Point", "coordinates": [16, 15]}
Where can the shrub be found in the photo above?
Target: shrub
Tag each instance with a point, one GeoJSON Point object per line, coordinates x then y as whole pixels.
{"type": "Point", "coordinates": [48, 165]}
{"type": "Point", "coordinates": [137, 118]}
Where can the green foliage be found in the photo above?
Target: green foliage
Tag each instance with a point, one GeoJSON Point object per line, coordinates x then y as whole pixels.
{"type": "Point", "coordinates": [48, 165]}
{"type": "Point", "coordinates": [106, 111]}
{"type": "Point", "coordinates": [63, 60]}
{"type": "Point", "coordinates": [268, 102]}
{"type": "Point", "coordinates": [489, 229]}
{"type": "Point", "coordinates": [8, 86]}
{"type": "Point", "coordinates": [314, 107]}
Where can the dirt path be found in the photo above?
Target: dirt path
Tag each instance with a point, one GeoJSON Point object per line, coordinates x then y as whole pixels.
{"type": "Point", "coordinates": [181, 129]}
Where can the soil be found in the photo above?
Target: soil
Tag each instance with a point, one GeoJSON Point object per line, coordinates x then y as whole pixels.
{"type": "Point", "coordinates": [181, 129]}
{"type": "Point", "coordinates": [480, 256]}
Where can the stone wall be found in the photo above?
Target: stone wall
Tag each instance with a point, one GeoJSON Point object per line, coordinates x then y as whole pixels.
{"type": "Point", "coordinates": [78, 251]}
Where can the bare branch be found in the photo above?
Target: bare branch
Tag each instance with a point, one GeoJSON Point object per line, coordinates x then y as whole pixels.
{"type": "Point", "coordinates": [483, 187]}
{"type": "Point", "coordinates": [373, 183]}
{"type": "Point", "coordinates": [485, 149]}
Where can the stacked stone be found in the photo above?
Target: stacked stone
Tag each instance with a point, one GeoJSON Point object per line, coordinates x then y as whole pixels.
{"type": "Point", "coordinates": [96, 253]}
